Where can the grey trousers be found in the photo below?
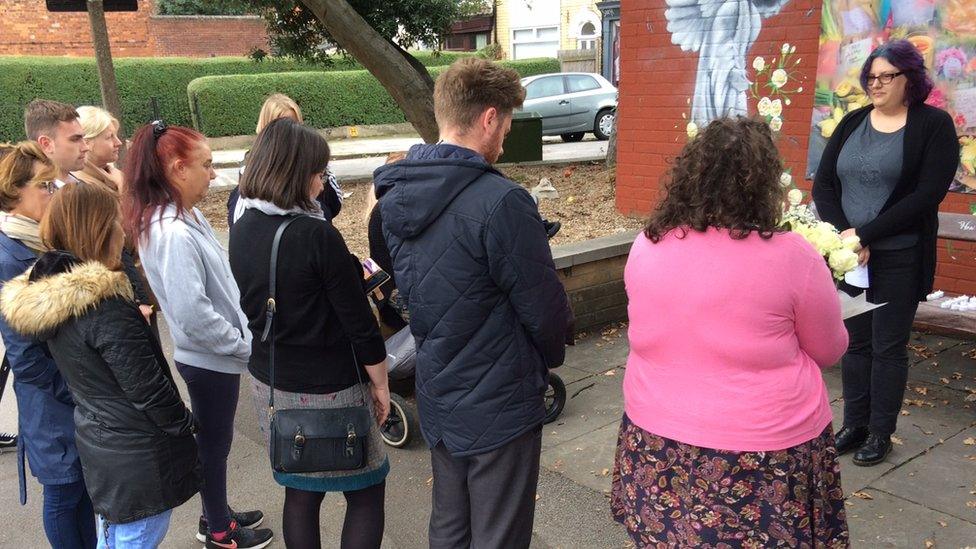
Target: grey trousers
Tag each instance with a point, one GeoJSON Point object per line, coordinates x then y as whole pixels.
{"type": "Point", "coordinates": [486, 501]}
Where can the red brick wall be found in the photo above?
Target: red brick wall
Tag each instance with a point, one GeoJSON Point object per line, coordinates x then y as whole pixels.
{"type": "Point", "coordinates": [658, 79]}
{"type": "Point", "coordinates": [27, 28]}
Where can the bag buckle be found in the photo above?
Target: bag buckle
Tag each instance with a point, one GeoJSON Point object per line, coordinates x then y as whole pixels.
{"type": "Point", "coordinates": [299, 439]}
{"type": "Point", "coordinates": [350, 440]}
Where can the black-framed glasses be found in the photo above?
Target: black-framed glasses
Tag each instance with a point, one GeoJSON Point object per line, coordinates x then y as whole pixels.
{"type": "Point", "coordinates": [50, 186]}
{"type": "Point", "coordinates": [159, 128]}
{"type": "Point", "coordinates": [884, 78]}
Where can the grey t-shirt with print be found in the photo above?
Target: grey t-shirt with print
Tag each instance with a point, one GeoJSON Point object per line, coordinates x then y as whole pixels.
{"type": "Point", "coordinates": [869, 167]}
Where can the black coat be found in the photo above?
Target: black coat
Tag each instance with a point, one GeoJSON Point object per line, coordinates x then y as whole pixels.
{"type": "Point", "coordinates": [488, 311]}
{"type": "Point", "coordinates": [931, 157]}
{"type": "Point", "coordinates": [133, 432]}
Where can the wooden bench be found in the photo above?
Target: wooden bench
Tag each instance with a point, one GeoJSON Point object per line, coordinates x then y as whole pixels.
{"type": "Point", "coordinates": [930, 315]}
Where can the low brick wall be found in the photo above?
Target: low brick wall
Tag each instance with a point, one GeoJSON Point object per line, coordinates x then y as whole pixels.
{"type": "Point", "coordinates": [593, 274]}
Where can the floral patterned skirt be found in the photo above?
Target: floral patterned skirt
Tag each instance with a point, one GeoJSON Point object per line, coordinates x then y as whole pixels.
{"type": "Point", "coordinates": [670, 494]}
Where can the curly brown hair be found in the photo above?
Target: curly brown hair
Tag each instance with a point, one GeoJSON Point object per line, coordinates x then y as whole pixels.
{"type": "Point", "coordinates": [727, 177]}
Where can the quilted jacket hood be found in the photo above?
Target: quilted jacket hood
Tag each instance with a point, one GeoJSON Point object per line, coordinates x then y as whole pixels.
{"type": "Point", "coordinates": [417, 190]}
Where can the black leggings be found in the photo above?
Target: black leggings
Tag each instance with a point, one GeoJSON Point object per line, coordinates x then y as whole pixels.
{"type": "Point", "coordinates": [362, 528]}
{"type": "Point", "coordinates": [213, 400]}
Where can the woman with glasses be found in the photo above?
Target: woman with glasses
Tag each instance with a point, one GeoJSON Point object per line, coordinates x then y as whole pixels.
{"type": "Point", "coordinates": [167, 173]}
{"type": "Point", "coordinates": [44, 405]}
{"type": "Point", "coordinates": [881, 178]}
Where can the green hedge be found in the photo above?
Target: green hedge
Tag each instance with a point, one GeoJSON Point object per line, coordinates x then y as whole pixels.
{"type": "Point", "coordinates": [229, 105]}
{"type": "Point", "coordinates": [75, 81]}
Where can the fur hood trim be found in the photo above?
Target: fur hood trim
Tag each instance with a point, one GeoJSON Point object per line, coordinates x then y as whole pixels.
{"type": "Point", "coordinates": [34, 308]}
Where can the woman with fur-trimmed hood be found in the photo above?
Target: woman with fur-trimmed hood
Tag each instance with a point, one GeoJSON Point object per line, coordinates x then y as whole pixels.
{"type": "Point", "coordinates": [133, 432]}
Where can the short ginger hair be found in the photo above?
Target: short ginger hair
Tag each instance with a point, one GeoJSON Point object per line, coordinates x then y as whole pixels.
{"type": "Point", "coordinates": [471, 85]}
{"type": "Point", "coordinates": [41, 117]}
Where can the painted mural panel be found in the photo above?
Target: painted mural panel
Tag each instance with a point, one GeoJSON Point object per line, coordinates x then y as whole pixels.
{"type": "Point", "coordinates": [945, 33]}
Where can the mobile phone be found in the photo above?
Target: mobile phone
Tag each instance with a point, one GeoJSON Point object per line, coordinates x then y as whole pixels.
{"type": "Point", "coordinates": [374, 276]}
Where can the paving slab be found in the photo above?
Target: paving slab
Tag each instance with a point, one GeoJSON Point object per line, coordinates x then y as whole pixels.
{"type": "Point", "coordinates": [591, 404]}
{"type": "Point", "coordinates": [595, 355]}
{"type": "Point", "coordinates": [890, 521]}
{"type": "Point", "coordinates": [587, 460]}
{"type": "Point", "coordinates": [575, 515]}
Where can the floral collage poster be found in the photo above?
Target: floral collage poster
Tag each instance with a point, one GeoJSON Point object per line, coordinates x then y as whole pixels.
{"type": "Point", "coordinates": [945, 33]}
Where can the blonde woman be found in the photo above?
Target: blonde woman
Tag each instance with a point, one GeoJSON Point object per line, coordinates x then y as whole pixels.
{"type": "Point", "coordinates": [279, 105]}
{"type": "Point", "coordinates": [102, 136]}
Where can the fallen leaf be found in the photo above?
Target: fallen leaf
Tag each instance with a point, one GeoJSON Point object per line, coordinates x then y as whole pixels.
{"type": "Point", "coordinates": [896, 440]}
{"type": "Point", "coordinates": [944, 380]}
{"type": "Point", "coordinates": [956, 375]}
{"type": "Point", "coordinates": [943, 523]}
{"type": "Point", "coordinates": [538, 497]}
{"type": "Point", "coordinates": [969, 441]}
{"type": "Point", "coordinates": [929, 544]}
{"type": "Point", "coordinates": [862, 495]}
{"type": "Point", "coordinates": [610, 373]}
{"type": "Point", "coordinates": [906, 413]}
{"type": "Point", "coordinates": [971, 397]}
{"type": "Point", "coordinates": [921, 390]}
{"type": "Point", "coordinates": [971, 504]}
{"type": "Point", "coordinates": [604, 472]}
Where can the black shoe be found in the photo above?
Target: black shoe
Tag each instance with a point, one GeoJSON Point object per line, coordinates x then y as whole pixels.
{"type": "Point", "coordinates": [551, 227]}
{"type": "Point", "coordinates": [7, 442]}
{"type": "Point", "coordinates": [246, 519]}
{"type": "Point", "coordinates": [850, 438]}
{"type": "Point", "coordinates": [874, 451]}
{"type": "Point", "coordinates": [239, 537]}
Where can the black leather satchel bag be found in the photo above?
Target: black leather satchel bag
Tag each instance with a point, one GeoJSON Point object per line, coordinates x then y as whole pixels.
{"type": "Point", "coordinates": [312, 440]}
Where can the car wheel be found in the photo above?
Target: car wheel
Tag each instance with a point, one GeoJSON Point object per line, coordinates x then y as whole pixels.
{"type": "Point", "coordinates": [572, 137]}
{"type": "Point", "coordinates": [603, 126]}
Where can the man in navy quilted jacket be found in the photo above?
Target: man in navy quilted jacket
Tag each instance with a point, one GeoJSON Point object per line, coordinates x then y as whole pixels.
{"type": "Point", "coordinates": [489, 313]}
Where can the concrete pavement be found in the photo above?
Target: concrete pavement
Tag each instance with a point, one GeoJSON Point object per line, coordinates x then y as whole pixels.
{"type": "Point", "coordinates": [924, 492]}
{"type": "Point", "coordinates": [357, 158]}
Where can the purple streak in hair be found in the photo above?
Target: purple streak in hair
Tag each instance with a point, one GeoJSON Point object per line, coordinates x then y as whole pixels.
{"type": "Point", "coordinates": [907, 59]}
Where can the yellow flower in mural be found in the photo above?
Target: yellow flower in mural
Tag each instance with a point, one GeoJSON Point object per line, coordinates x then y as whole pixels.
{"type": "Point", "coordinates": [692, 130]}
{"type": "Point", "coordinates": [827, 127]}
{"type": "Point", "coordinates": [779, 78]}
{"type": "Point", "coordinates": [844, 89]}
{"type": "Point", "coordinates": [776, 108]}
{"type": "Point", "coordinates": [763, 106]}
{"type": "Point", "coordinates": [776, 124]}
{"type": "Point", "coordinates": [759, 64]}
{"type": "Point", "coordinates": [967, 155]}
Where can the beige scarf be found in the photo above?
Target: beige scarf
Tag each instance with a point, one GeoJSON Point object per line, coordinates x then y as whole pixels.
{"type": "Point", "coordinates": [23, 229]}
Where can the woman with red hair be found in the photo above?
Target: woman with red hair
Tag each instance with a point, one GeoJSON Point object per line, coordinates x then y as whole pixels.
{"type": "Point", "coordinates": [168, 171]}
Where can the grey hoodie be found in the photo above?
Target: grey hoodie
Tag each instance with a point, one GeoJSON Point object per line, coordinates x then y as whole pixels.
{"type": "Point", "coordinates": [188, 271]}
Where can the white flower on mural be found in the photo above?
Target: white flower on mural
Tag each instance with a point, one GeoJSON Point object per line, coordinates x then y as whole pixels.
{"type": "Point", "coordinates": [722, 32]}
{"type": "Point", "coordinates": [779, 78]}
{"type": "Point", "coordinates": [759, 64]}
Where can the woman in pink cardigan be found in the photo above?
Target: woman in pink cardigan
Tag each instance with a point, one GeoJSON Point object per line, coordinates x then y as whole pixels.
{"type": "Point", "coordinates": [726, 435]}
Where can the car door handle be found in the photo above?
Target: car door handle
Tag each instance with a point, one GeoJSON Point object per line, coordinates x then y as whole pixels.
{"type": "Point", "coordinates": [564, 102]}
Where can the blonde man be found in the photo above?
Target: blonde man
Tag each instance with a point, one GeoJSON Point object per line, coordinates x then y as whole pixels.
{"type": "Point", "coordinates": [101, 131]}
{"type": "Point", "coordinates": [488, 312]}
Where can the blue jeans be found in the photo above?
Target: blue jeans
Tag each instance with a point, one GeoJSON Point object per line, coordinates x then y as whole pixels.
{"type": "Point", "coordinates": [146, 533]}
{"type": "Point", "coordinates": [69, 519]}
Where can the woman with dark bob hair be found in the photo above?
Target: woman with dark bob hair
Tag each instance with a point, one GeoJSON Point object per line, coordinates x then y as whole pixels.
{"type": "Point", "coordinates": [725, 387]}
{"type": "Point", "coordinates": [325, 335]}
{"type": "Point", "coordinates": [881, 178]}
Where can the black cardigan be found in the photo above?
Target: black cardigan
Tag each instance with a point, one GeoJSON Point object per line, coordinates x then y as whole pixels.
{"type": "Point", "coordinates": [931, 157]}
{"type": "Point", "coordinates": [322, 311]}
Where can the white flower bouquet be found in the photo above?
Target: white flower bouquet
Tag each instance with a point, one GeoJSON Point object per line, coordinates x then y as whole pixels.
{"type": "Point", "coordinates": [837, 252]}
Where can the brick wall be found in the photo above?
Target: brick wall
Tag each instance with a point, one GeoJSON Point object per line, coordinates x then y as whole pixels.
{"type": "Point", "coordinates": [658, 80]}
{"type": "Point", "coordinates": [27, 28]}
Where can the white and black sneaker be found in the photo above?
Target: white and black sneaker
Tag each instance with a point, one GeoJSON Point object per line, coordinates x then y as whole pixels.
{"type": "Point", "coordinates": [245, 519]}
{"type": "Point", "coordinates": [7, 442]}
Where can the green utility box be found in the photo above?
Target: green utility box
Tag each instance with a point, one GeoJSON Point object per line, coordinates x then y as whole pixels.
{"type": "Point", "coordinates": [524, 142]}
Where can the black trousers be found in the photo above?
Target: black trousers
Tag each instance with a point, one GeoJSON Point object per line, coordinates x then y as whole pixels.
{"type": "Point", "coordinates": [875, 367]}
{"type": "Point", "coordinates": [487, 500]}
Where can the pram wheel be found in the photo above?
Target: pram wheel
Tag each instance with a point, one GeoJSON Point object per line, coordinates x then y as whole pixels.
{"type": "Point", "coordinates": [555, 398]}
{"type": "Point", "coordinates": [401, 424]}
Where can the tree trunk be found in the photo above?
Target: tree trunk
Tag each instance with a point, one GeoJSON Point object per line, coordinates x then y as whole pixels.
{"type": "Point", "coordinates": [408, 83]}
{"type": "Point", "coordinates": [106, 69]}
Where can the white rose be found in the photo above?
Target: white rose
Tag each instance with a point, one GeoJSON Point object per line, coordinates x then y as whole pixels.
{"type": "Point", "coordinates": [799, 90]}
{"type": "Point", "coordinates": [786, 48]}
{"type": "Point", "coordinates": [795, 196]}
{"type": "Point", "coordinates": [785, 179]}
{"type": "Point", "coordinates": [776, 124]}
{"type": "Point", "coordinates": [779, 78]}
{"type": "Point", "coordinates": [759, 64]}
{"type": "Point", "coordinates": [763, 106]}
{"type": "Point", "coordinates": [692, 130]}
{"type": "Point", "coordinates": [776, 108]}
{"type": "Point", "coordinates": [842, 261]}
{"type": "Point", "coordinates": [852, 243]}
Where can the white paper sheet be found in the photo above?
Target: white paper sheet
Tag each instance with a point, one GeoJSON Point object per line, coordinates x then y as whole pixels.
{"type": "Point", "coordinates": [858, 277]}
{"type": "Point", "coordinates": [853, 306]}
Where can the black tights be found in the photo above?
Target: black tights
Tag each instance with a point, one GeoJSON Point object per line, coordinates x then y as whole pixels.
{"type": "Point", "coordinates": [362, 528]}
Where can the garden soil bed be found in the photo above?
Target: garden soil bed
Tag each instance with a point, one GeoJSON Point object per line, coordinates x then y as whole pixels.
{"type": "Point", "coordinates": [585, 206]}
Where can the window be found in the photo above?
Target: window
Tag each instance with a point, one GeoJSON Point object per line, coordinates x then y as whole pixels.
{"type": "Point", "coordinates": [587, 36]}
{"type": "Point", "coordinates": [544, 87]}
{"type": "Point", "coordinates": [535, 42]}
{"type": "Point", "coordinates": [580, 83]}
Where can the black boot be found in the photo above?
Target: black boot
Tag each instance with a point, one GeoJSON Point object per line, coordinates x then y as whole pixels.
{"type": "Point", "coordinates": [874, 451]}
{"type": "Point", "coordinates": [850, 438]}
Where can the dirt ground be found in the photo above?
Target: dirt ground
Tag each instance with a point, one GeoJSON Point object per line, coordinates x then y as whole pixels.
{"type": "Point", "coordinates": [585, 206]}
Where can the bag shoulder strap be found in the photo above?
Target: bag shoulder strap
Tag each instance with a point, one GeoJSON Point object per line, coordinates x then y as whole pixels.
{"type": "Point", "coordinates": [271, 306]}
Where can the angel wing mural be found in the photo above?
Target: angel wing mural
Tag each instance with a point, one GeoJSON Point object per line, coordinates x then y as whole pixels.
{"type": "Point", "coordinates": [722, 32]}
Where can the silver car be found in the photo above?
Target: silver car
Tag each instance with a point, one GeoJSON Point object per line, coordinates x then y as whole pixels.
{"type": "Point", "coordinates": [572, 104]}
